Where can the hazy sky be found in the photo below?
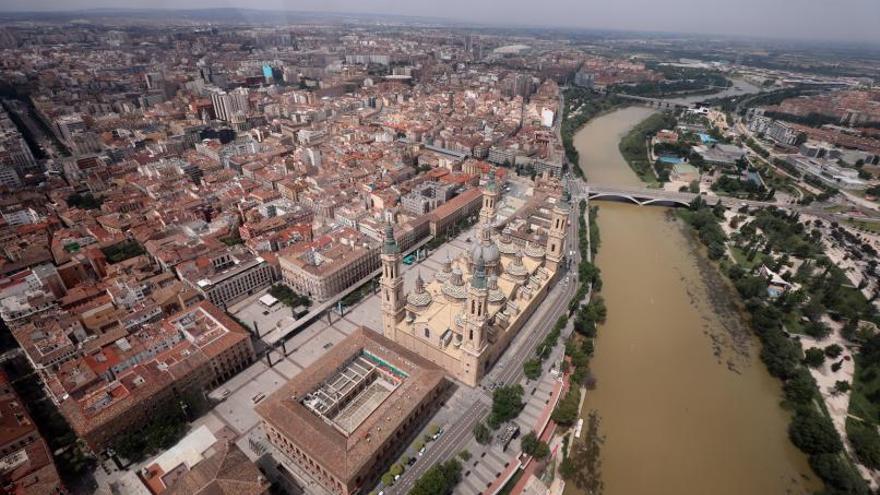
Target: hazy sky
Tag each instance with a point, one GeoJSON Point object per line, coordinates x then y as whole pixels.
{"type": "Point", "coordinates": [855, 20]}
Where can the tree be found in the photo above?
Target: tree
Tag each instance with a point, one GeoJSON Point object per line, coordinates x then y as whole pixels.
{"type": "Point", "coordinates": [465, 455]}
{"type": "Point", "coordinates": [841, 387]}
{"type": "Point", "coordinates": [388, 479]}
{"type": "Point", "coordinates": [584, 466]}
{"type": "Point", "coordinates": [533, 446]}
{"type": "Point", "coordinates": [813, 433]}
{"type": "Point", "coordinates": [532, 368]}
{"type": "Point", "coordinates": [440, 479]}
{"type": "Point", "coordinates": [482, 433]}
{"type": "Point", "coordinates": [801, 388]}
{"type": "Point", "coordinates": [566, 411]}
{"type": "Point", "coordinates": [817, 330]}
{"type": "Point", "coordinates": [396, 469]}
{"type": "Point", "coordinates": [833, 351]}
{"type": "Point", "coordinates": [751, 286]}
{"type": "Point", "coordinates": [164, 429]}
{"type": "Point", "coordinates": [506, 405]}
{"type": "Point", "coordinates": [814, 357]}
{"type": "Point", "coordinates": [866, 442]}
{"type": "Point", "coordinates": [838, 475]}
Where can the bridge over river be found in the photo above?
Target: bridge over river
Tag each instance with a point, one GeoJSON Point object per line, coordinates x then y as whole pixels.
{"type": "Point", "coordinates": [660, 197]}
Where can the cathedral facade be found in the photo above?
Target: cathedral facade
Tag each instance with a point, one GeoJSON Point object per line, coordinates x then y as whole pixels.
{"type": "Point", "coordinates": [466, 316]}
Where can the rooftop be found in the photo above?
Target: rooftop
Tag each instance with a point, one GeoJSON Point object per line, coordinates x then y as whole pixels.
{"type": "Point", "coordinates": [345, 406]}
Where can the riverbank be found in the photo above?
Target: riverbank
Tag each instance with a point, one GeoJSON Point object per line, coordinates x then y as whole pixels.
{"type": "Point", "coordinates": [634, 146]}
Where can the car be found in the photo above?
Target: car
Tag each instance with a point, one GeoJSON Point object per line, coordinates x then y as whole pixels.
{"type": "Point", "coordinates": [257, 398]}
{"type": "Point", "coordinates": [422, 451]}
{"type": "Point", "coordinates": [396, 477]}
{"type": "Point", "coordinates": [225, 393]}
{"type": "Point", "coordinates": [411, 461]}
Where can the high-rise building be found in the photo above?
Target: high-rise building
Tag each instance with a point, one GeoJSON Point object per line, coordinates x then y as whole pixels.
{"type": "Point", "coordinates": [228, 104]}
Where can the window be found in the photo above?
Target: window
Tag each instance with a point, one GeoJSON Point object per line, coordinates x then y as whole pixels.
{"type": "Point", "coordinates": [427, 333]}
{"type": "Point", "coordinates": [471, 337]}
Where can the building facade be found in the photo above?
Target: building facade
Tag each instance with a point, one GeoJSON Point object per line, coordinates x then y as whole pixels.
{"type": "Point", "coordinates": [228, 277]}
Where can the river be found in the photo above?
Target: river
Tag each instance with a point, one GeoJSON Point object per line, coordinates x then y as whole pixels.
{"type": "Point", "coordinates": [686, 405]}
{"type": "Point", "coordinates": [738, 87]}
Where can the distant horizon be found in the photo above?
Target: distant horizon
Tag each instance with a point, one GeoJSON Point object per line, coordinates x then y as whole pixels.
{"type": "Point", "coordinates": [813, 21]}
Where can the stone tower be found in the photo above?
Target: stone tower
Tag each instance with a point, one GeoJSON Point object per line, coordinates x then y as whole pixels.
{"type": "Point", "coordinates": [555, 251]}
{"type": "Point", "coordinates": [392, 285]}
{"type": "Point", "coordinates": [485, 247]}
{"type": "Point", "coordinates": [475, 323]}
{"type": "Point", "coordinates": [490, 201]}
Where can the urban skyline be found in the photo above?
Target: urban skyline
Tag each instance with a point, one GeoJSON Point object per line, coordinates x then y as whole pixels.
{"type": "Point", "coordinates": [335, 254]}
{"type": "Point", "coordinates": [812, 20]}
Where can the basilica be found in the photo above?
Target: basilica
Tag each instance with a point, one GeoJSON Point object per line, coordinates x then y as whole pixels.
{"type": "Point", "coordinates": [467, 314]}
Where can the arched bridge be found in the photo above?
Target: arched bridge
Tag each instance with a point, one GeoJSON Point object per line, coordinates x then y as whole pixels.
{"type": "Point", "coordinates": [660, 197]}
{"type": "Point", "coordinates": [641, 197]}
{"type": "Point", "coordinates": [660, 103]}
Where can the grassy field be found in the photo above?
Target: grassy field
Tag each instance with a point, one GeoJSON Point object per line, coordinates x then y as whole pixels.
{"type": "Point", "coordinates": [868, 226]}
{"type": "Point", "coordinates": [742, 260]}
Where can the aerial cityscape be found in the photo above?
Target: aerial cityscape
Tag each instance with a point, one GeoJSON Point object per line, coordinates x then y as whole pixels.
{"type": "Point", "coordinates": [391, 248]}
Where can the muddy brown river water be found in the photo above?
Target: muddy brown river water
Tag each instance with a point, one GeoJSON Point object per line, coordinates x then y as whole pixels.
{"type": "Point", "coordinates": [686, 405]}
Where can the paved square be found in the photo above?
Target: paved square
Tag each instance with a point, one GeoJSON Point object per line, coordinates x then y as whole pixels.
{"type": "Point", "coordinates": [316, 347]}
{"type": "Point", "coordinates": [238, 409]}
{"type": "Point", "coordinates": [241, 379]}
{"type": "Point", "coordinates": [367, 313]}
{"type": "Point", "coordinates": [344, 326]}
{"type": "Point", "coordinates": [286, 367]}
{"type": "Point", "coordinates": [257, 316]}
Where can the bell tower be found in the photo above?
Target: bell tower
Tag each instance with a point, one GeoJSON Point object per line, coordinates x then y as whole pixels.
{"type": "Point", "coordinates": [392, 285]}
{"type": "Point", "coordinates": [490, 201]}
{"type": "Point", "coordinates": [476, 317]}
{"type": "Point", "coordinates": [555, 251]}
